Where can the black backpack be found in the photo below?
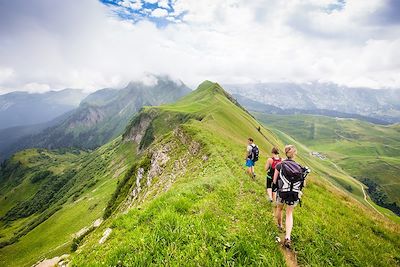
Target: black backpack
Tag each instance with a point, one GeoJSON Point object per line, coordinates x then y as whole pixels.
{"type": "Point", "coordinates": [291, 181]}
{"type": "Point", "coordinates": [254, 153]}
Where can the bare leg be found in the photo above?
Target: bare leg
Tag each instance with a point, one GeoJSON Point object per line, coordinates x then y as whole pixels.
{"type": "Point", "coordinates": [273, 196]}
{"type": "Point", "coordinates": [269, 193]}
{"type": "Point", "coordinates": [249, 172]}
{"type": "Point", "coordinates": [289, 221]}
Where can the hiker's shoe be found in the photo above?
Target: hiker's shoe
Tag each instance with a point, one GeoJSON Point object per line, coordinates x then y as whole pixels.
{"type": "Point", "coordinates": [287, 243]}
{"type": "Point", "coordinates": [270, 200]}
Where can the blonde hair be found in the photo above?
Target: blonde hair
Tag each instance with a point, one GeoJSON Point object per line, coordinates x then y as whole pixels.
{"type": "Point", "coordinates": [290, 151]}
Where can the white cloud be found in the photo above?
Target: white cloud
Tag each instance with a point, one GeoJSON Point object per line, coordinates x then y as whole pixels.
{"type": "Point", "coordinates": [164, 4]}
{"type": "Point", "coordinates": [5, 74]}
{"type": "Point", "coordinates": [149, 80]}
{"type": "Point", "coordinates": [131, 4]}
{"type": "Point", "coordinates": [151, 1]}
{"type": "Point", "coordinates": [63, 45]}
{"type": "Point", "coordinates": [36, 87]}
{"type": "Point", "coordinates": [159, 12]}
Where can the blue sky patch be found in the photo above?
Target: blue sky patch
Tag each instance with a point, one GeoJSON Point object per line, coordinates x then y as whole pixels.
{"type": "Point", "coordinates": [161, 13]}
{"type": "Point", "coordinates": [338, 6]}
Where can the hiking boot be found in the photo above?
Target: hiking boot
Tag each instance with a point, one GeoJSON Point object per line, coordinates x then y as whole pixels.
{"type": "Point", "coordinates": [287, 243]}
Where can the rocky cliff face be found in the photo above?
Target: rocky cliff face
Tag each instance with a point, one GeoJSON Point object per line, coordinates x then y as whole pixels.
{"type": "Point", "coordinates": [140, 125]}
{"type": "Point", "coordinates": [169, 160]}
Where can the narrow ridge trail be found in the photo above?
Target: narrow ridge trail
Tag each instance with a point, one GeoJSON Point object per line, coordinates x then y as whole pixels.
{"type": "Point", "coordinates": [289, 254]}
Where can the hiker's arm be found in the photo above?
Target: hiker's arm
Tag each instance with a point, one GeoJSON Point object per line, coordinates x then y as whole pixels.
{"type": "Point", "coordinates": [267, 165]}
{"type": "Point", "coordinates": [248, 153]}
{"type": "Point", "coordinates": [276, 176]}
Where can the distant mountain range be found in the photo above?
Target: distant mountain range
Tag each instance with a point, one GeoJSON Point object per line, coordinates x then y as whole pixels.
{"type": "Point", "coordinates": [70, 118]}
{"type": "Point", "coordinates": [379, 106]}
{"type": "Point", "coordinates": [23, 108]}
{"type": "Point", "coordinates": [255, 106]}
{"type": "Point", "coordinates": [100, 117]}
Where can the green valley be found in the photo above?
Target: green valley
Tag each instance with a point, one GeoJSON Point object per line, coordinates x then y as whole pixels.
{"type": "Point", "coordinates": [369, 152]}
{"type": "Point", "coordinates": [172, 191]}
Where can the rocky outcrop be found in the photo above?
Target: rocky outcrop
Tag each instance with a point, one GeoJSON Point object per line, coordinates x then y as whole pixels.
{"type": "Point", "coordinates": [137, 187]}
{"type": "Point", "coordinates": [86, 229]}
{"type": "Point", "coordinates": [89, 117]}
{"type": "Point", "coordinates": [106, 234]}
{"type": "Point", "coordinates": [138, 127]}
{"type": "Point", "coordinates": [56, 261]}
{"type": "Point", "coordinates": [192, 145]}
{"type": "Point", "coordinates": [169, 160]}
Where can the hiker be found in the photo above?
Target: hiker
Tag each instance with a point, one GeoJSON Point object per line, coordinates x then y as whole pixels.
{"type": "Point", "coordinates": [289, 177]}
{"type": "Point", "coordinates": [270, 168]}
{"type": "Point", "coordinates": [251, 157]}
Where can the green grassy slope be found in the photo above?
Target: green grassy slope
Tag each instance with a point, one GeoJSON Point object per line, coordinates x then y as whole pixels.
{"type": "Point", "coordinates": [201, 209]}
{"type": "Point", "coordinates": [362, 149]}
{"type": "Point", "coordinates": [77, 206]}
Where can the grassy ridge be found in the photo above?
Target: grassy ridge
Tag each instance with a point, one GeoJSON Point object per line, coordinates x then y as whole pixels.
{"type": "Point", "coordinates": [215, 215]}
{"type": "Point", "coordinates": [200, 209]}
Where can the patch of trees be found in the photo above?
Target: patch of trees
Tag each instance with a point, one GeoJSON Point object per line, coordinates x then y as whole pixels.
{"type": "Point", "coordinates": [121, 190]}
{"type": "Point", "coordinates": [30, 226]}
{"type": "Point", "coordinates": [49, 193]}
{"type": "Point", "coordinates": [148, 137]}
{"type": "Point", "coordinates": [375, 191]}
{"type": "Point", "coordinates": [11, 169]}
{"type": "Point", "coordinates": [41, 175]}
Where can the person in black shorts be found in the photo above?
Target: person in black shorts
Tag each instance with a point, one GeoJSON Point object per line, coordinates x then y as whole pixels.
{"type": "Point", "coordinates": [270, 168]}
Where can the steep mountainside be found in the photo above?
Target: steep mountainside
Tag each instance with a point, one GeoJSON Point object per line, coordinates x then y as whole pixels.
{"type": "Point", "coordinates": [172, 191]}
{"type": "Point", "coordinates": [48, 198]}
{"type": "Point", "coordinates": [22, 108]}
{"type": "Point", "coordinates": [369, 152]}
{"type": "Point", "coordinates": [101, 116]}
{"type": "Point", "coordinates": [382, 104]}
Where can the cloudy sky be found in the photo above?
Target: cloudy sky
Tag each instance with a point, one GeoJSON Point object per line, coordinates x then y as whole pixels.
{"type": "Point", "coordinates": [91, 44]}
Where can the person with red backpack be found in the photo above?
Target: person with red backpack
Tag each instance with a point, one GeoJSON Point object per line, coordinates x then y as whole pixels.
{"type": "Point", "coordinates": [270, 168]}
{"type": "Point", "coordinates": [290, 178]}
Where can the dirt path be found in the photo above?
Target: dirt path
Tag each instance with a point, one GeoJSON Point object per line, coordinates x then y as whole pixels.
{"type": "Point", "coordinates": [366, 199]}
{"type": "Point", "coordinates": [289, 254]}
{"type": "Point", "coordinates": [362, 189]}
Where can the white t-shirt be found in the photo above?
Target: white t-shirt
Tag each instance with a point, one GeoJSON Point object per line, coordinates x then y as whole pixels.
{"type": "Point", "coordinates": [250, 149]}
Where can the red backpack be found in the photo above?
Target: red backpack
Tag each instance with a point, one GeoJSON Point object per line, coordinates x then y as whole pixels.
{"type": "Point", "coordinates": [275, 162]}
{"type": "Point", "coordinates": [273, 166]}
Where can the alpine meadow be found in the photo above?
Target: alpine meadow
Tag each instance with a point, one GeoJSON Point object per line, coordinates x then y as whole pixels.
{"type": "Point", "coordinates": [199, 133]}
{"type": "Point", "coordinates": [173, 190]}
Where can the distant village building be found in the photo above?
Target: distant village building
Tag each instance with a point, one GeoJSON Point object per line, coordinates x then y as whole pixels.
{"type": "Point", "coordinates": [318, 155]}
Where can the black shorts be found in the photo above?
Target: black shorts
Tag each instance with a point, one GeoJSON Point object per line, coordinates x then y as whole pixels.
{"type": "Point", "coordinates": [270, 184]}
